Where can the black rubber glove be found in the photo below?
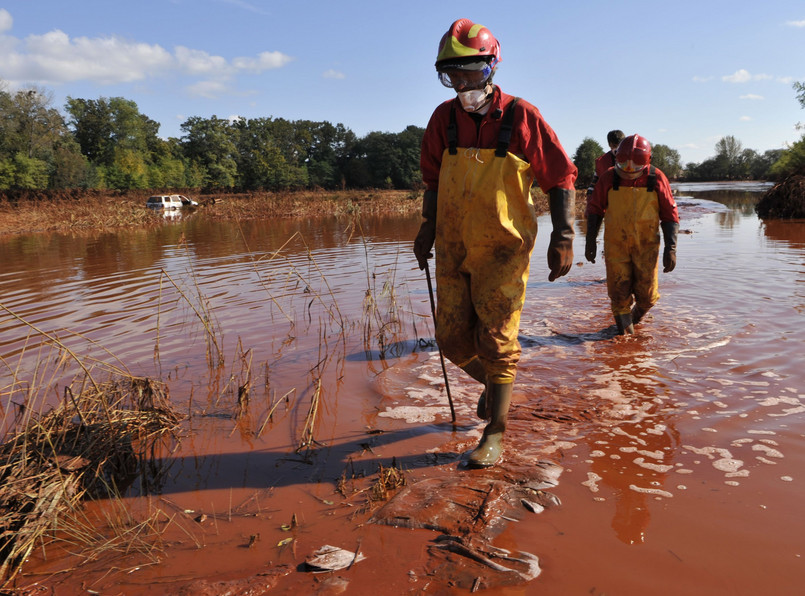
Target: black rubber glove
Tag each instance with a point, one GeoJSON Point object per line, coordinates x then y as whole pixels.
{"type": "Point", "coordinates": [562, 202]}
{"type": "Point", "coordinates": [591, 246]}
{"type": "Point", "coordinates": [670, 229]}
{"type": "Point", "coordinates": [423, 244]}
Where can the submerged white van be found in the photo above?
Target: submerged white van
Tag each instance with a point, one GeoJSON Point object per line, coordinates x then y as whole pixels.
{"type": "Point", "coordinates": [164, 202]}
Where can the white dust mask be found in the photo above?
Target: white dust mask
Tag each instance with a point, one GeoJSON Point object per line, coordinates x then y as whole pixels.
{"type": "Point", "coordinates": [473, 100]}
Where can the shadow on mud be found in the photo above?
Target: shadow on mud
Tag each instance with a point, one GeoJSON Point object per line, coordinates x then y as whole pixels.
{"type": "Point", "coordinates": [268, 468]}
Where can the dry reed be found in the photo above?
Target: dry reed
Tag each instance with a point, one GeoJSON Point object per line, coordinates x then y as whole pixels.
{"type": "Point", "coordinates": [92, 444]}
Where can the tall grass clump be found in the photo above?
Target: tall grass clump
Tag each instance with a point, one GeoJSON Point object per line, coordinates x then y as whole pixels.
{"type": "Point", "coordinates": [93, 444]}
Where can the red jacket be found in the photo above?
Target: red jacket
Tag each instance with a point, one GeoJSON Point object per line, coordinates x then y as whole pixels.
{"type": "Point", "coordinates": [603, 163]}
{"type": "Point", "coordinates": [532, 139]}
{"type": "Point", "coordinates": [599, 201]}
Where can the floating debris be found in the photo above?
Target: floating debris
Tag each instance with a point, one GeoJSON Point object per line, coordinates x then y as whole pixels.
{"type": "Point", "coordinates": [532, 506]}
{"type": "Point", "coordinates": [475, 565]}
{"type": "Point", "coordinates": [332, 558]}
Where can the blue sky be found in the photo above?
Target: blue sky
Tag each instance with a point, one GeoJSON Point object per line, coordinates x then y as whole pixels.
{"type": "Point", "coordinates": [683, 73]}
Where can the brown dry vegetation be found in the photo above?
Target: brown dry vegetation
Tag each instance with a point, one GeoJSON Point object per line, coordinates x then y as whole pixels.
{"type": "Point", "coordinates": [91, 445]}
{"type": "Point", "coordinates": [82, 211]}
{"type": "Point", "coordinates": [785, 200]}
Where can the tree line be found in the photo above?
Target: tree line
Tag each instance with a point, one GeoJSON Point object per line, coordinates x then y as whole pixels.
{"type": "Point", "coordinates": [731, 160]}
{"type": "Point", "coordinates": [106, 143]}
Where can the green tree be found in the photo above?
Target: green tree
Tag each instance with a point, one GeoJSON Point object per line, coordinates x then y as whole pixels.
{"type": "Point", "coordinates": [209, 143]}
{"type": "Point", "coordinates": [22, 171]}
{"type": "Point", "coordinates": [128, 170]}
{"type": "Point", "coordinates": [666, 159]}
{"type": "Point", "coordinates": [265, 160]}
{"type": "Point", "coordinates": [106, 125]}
{"type": "Point", "coordinates": [70, 168]}
{"type": "Point", "coordinates": [32, 129]}
{"type": "Point", "coordinates": [7, 172]}
{"type": "Point", "coordinates": [410, 141]}
{"type": "Point", "coordinates": [800, 89]}
{"type": "Point", "coordinates": [792, 159]}
{"type": "Point", "coordinates": [386, 160]}
{"type": "Point", "coordinates": [729, 158]}
{"type": "Point", "coordinates": [760, 166]}
{"type": "Point", "coordinates": [37, 125]}
{"type": "Point", "coordinates": [327, 153]}
{"type": "Point", "coordinates": [93, 128]}
{"type": "Point", "coordinates": [584, 159]}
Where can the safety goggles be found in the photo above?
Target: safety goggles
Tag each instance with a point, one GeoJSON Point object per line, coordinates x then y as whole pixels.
{"type": "Point", "coordinates": [461, 77]}
{"type": "Point", "coordinates": [630, 167]}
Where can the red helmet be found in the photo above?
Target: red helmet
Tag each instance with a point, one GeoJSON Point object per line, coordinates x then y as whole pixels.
{"type": "Point", "coordinates": [633, 155]}
{"type": "Point", "coordinates": [466, 40]}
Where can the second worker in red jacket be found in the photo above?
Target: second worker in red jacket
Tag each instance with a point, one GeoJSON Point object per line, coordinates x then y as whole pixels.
{"type": "Point", "coordinates": [635, 200]}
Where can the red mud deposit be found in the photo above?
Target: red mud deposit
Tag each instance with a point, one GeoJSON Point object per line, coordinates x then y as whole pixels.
{"type": "Point", "coordinates": [668, 462]}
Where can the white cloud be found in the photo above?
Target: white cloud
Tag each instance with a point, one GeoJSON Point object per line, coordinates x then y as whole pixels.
{"type": "Point", "coordinates": [785, 80]}
{"type": "Point", "coordinates": [751, 96]}
{"type": "Point", "coordinates": [54, 58]}
{"type": "Point", "coordinates": [699, 79]}
{"type": "Point", "coordinates": [744, 118]}
{"type": "Point", "coordinates": [743, 76]}
{"type": "Point", "coordinates": [199, 62]}
{"type": "Point", "coordinates": [5, 20]}
{"type": "Point", "coordinates": [264, 61]}
{"type": "Point", "coordinates": [334, 74]}
{"type": "Point", "coordinates": [796, 23]}
{"type": "Point", "coordinates": [740, 76]}
{"type": "Point", "coordinates": [208, 89]}
{"type": "Point", "coordinates": [247, 6]}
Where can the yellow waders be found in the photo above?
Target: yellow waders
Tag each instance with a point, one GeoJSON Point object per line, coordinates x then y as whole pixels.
{"type": "Point", "coordinates": [485, 231]}
{"type": "Point", "coordinates": [631, 248]}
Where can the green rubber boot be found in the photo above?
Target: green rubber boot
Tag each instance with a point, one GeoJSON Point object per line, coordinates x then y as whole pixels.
{"type": "Point", "coordinates": [488, 451]}
{"type": "Point", "coordinates": [624, 324]}
{"type": "Point", "coordinates": [476, 370]}
{"type": "Point", "coordinates": [638, 314]}
{"type": "Point", "coordinates": [482, 410]}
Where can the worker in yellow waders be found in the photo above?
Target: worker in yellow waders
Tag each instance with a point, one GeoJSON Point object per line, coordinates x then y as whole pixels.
{"type": "Point", "coordinates": [635, 200]}
{"type": "Point", "coordinates": [481, 152]}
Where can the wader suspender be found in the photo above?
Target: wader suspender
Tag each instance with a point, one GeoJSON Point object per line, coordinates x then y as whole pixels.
{"type": "Point", "coordinates": [650, 185]}
{"type": "Point", "coordinates": [505, 134]}
{"type": "Point", "coordinates": [504, 137]}
{"type": "Point", "coordinates": [652, 179]}
{"type": "Point", "coordinates": [452, 132]}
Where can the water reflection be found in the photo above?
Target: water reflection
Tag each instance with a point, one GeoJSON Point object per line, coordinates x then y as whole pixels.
{"type": "Point", "coordinates": [789, 232]}
{"type": "Point", "coordinates": [633, 457]}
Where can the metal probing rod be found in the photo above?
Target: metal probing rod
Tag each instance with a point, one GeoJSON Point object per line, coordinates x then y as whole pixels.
{"type": "Point", "coordinates": [441, 356]}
